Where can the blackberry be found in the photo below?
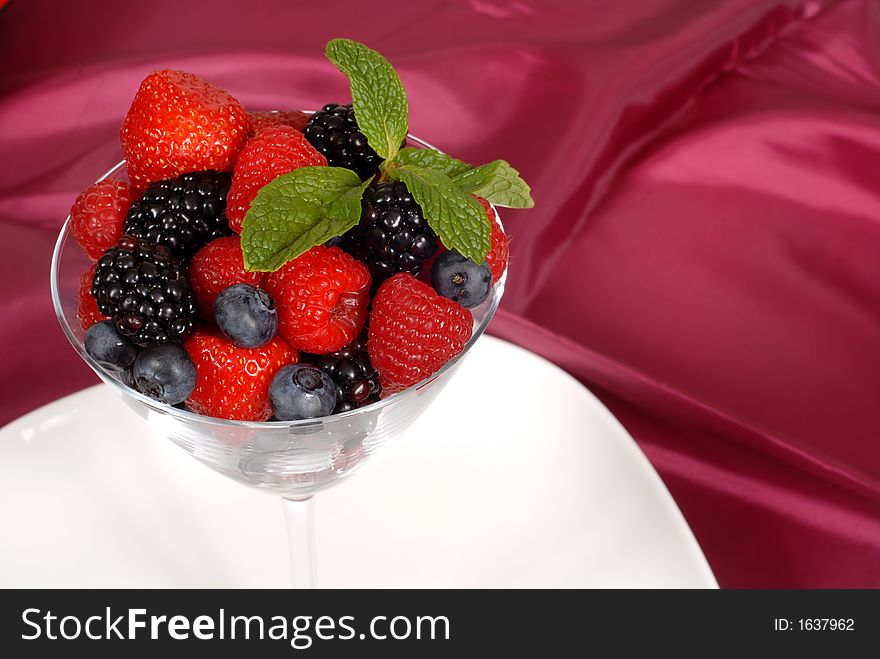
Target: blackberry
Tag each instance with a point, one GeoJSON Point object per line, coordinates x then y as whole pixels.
{"type": "Point", "coordinates": [333, 131]}
{"type": "Point", "coordinates": [184, 213]}
{"type": "Point", "coordinates": [143, 288]}
{"type": "Point", "coordinates": [357, 382]}
{"type": "Point", "coordinates": [392, 235]}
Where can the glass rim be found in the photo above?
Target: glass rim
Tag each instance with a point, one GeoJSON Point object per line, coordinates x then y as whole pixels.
{"type": "Point", "coordinates": [184, 414]}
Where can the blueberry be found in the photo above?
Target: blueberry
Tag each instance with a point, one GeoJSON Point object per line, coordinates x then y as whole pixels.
{"type": "Point", "coordinates": [460, 279]}
{"type": "Point", "coordinates": [246, 315]}
{"type": "Point", "coordinates": [301, 391]}
{"type": "Point", "coordinates": [165, 373]}
{"type": "Point", "coordinates": [109, 348]}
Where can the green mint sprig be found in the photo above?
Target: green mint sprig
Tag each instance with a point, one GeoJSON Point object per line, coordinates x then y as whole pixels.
{"type": "Point", "coordinates": [457, 217]}
{"type": "Point", "coordinates": [377, 95]}
{"type": "Point", "coordinates": [432, 159]}
{"type": "Point", "coordinates": [311, 205]}
{"type": "Point", "coordinates": [296, 211]}
{"type": "Point", "coordinates": [498, 183]}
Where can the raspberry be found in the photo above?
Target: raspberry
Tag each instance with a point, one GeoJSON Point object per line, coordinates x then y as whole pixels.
{"type": "Point", "coordinates": [98, 214]}
{"type": "Point", "coordinates": [461, 280]}
{"type": "Point", "coordinates": [216, 266]}
{"type": "Point", "coordinates": [233, 382]}
{"type": "Point", "coordinates": [414, 332]}
{"type": "Point", "coordinates": [357, 382]}
{"type": "Point", "coordinates": [498, 254]}
{"type": "Point", "coordinates": [144, 289]}
{"type": "Point", "coordinates": [274, 151]}
{"type": "Point", "coordinates": [183, 213]}
{"type": "Point", "coordinates": [259, 120]}
{"type": "Point", "coordinates": [322, 298]}
{"type": "Point", "coordinates": [87, 311]}
{"type": "Point", "coordinates": [334, 132]}
{"type": "Point", "coordinates": [392, 234]}
{"type": "Point", "coordinates": [180, 123]}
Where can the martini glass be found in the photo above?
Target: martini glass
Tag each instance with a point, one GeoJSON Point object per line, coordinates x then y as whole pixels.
{"type": "Point", "coordinates": [291, 459]}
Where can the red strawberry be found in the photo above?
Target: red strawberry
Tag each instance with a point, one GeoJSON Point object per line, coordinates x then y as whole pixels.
{"type": "Point", "coordinates": [87, 311]}
{"type": "Point", "coordinates": [233, 382]}
{"type": "Point", "coordinates": [98, 215]}
{"type": "Point", "coordinates": [258, 120]}
{"type": "Point", "coordinates": [498, 254]}
{"type": "Point", "coordinates": [274, 151]}
{"type": "Point", "coordinates": [180, 123]}
{"type": "Point", "coordinates": [413, 332]}
{"type": "Point", "coordinates": [215, 266]}
{"type": "Point", "coordinates": [322, 298]}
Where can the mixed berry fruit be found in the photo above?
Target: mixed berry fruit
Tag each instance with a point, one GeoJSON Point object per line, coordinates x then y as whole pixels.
{"type": "Point", "coordinates": [233, 382]}
{"type": "Point", "coordinates": [98, 215]}
{"type": "Point", "coordinates": [273, 151]}
{"type": "Point", "coordinates": [183, 213]}
{"type": "Point", "coordinates": [165, 373]}
{"type": "Point", "coordinates": [392, 234]}
{"type": "Point", "coordinates": [350, 368]}
{"type": "Point", "coordinates": [301, 391]}
{"type": "Point", "coordinates": [260, 119]}
{"type": "Point", "coordinates": [144, 288]}
{"type": "Point", "coordinates": [414, 331]}
{"type": "Point", "coordinates": [246, 315]}
{"type": "Point", "coordinates": [281, 265]}
{"type": "Point", "coordinates": [460, 279]}
{"type": "Point", "coordinates": [179, 123]}
{"type": "Point", "coordinates": [324, 297]}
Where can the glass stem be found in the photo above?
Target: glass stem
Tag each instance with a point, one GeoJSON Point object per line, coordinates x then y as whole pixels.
{"type": "Point", "coordinates": [300, 516]}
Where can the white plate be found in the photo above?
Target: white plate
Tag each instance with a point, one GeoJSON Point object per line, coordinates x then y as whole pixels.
{"type": "Point", "coordinates": [516, 476]}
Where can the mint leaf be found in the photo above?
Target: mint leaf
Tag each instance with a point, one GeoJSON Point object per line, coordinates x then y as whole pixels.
{"type": "Point", "coordinates": [456, 216]}
{"type": "Point", "coordinates": [498, 183]}
{"type": "Point", "coordinates": [432, 159]}
{"type": "Point", "coordinates": [347, 208]}
{"type": "Point", "coordinates": [296, 211]}
{"type": "Point", "coordinates": [377, 94]}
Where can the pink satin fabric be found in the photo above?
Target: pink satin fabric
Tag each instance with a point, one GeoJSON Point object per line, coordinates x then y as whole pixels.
{"type": "Point", "coordinates": [705, 250]}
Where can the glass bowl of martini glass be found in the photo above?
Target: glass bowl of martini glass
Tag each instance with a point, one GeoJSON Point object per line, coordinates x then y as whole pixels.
{"type": "Point", "coordinates": [291, 459]}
